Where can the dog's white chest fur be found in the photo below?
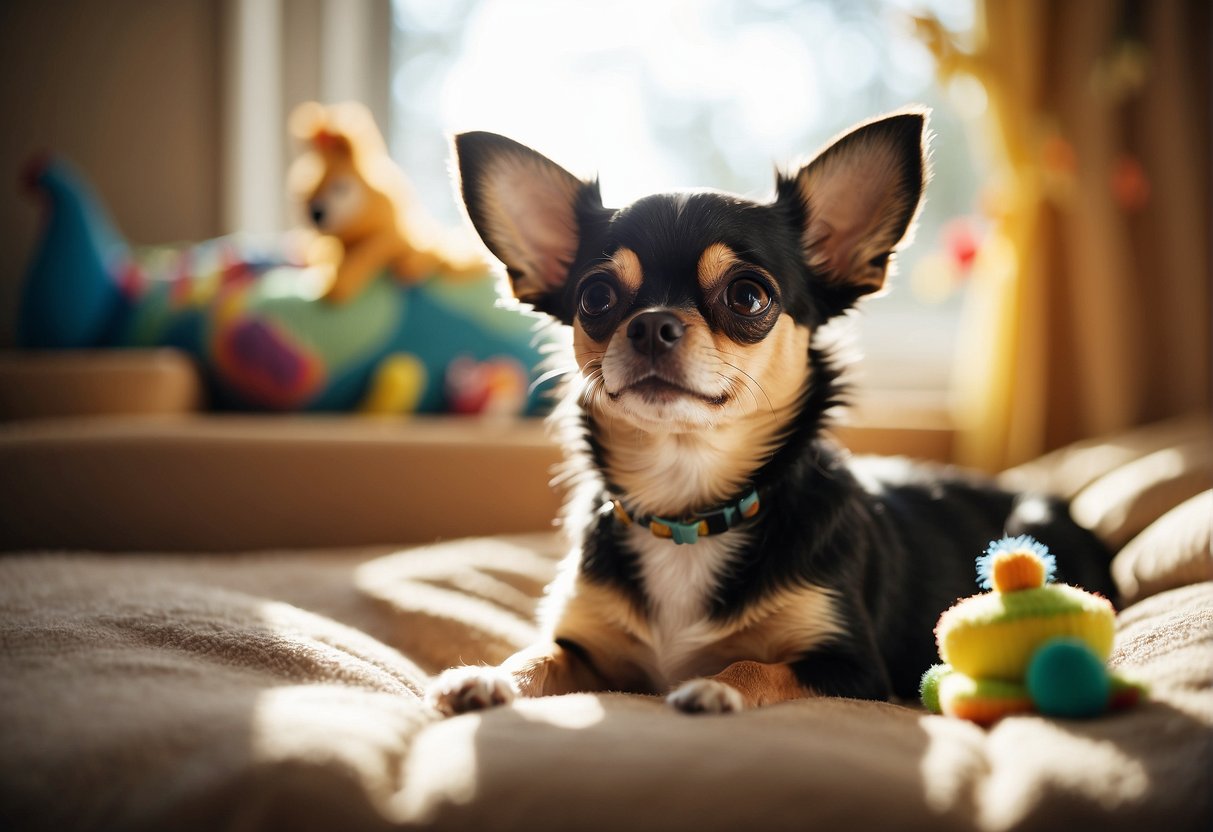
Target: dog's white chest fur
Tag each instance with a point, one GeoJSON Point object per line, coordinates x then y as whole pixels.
{"type": "Point", "coordinates": [680, 582]}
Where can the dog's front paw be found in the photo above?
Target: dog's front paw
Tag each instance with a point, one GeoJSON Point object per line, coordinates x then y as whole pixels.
{"type": "Point", "coordinates": [706, 696]}
{"type": "Point", "coordinates": [463, 689]}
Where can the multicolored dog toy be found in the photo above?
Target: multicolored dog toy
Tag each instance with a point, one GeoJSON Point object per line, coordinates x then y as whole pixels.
{"type": "Point", "coordinates": [1028, 646]}
{"type": "Point", "coordinates": [249, 310]}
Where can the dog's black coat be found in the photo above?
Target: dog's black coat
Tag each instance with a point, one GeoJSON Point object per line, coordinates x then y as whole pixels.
{"type": "Point", "coordinates": [895, 541]}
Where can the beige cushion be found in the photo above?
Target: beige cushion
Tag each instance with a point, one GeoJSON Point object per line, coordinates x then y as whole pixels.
{"type": "Point", "coordinates": [40, 385]}
{"type": "Point", "coordinates": [246, 482]}
{"type": "Point", "coordinates": [1175, 550]}
{"type": "Point", "coordinates": [1069, 470]}
{"type": "Point", "coordinates": [1121, 503]}
{"type": "Point", "coordinates": [1118, 485]}
{"type": "Point", "coordinates": [234, 482]}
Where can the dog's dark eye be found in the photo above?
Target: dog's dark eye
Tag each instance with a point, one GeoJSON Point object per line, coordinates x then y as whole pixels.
{"type": "Point", "coordinates": [597, 298]}
{"type": "Point", "coordinates": [748, 297]}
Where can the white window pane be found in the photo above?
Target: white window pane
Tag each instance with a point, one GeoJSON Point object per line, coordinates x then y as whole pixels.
{"type": "Point", "coordinates": [697, 93]}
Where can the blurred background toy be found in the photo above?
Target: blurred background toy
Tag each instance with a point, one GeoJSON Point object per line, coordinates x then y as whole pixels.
{"type": "Point", "coordinates": [248, 309]}
{"type": "Point", "coordinates": [1028, 645]}
{"type": "Point", "coordinates": [363, 207]}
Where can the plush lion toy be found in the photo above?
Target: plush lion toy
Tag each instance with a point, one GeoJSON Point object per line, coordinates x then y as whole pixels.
{"type": "Point", "coordinates": [362, 205]}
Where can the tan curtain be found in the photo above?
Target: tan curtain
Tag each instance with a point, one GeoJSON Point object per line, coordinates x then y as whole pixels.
{"type": "Point", "coordinates": [1090, 306]}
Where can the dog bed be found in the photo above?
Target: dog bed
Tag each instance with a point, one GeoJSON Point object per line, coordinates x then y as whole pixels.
{"type": "Point", "coordinates": [281, 689]}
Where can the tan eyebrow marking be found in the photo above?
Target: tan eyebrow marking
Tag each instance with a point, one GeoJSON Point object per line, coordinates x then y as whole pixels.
{"type": "Point", "coordinates": [626, 267]}
{"type": "Point", "coordinates": [714, 263]}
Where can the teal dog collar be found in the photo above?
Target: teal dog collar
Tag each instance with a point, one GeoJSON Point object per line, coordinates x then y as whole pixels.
{"type": "Point", "coordinates": [690, 528]}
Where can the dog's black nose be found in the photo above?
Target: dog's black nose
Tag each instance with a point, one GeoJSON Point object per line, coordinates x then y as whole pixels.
{"type": "Point", "coordinates": [654, 333]}
{"type": "Point", "coordinates": [316, 211]}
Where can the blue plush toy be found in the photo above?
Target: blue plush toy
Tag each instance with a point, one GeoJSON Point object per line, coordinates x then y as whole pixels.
{"type": "Point", "coordinates": [246, 309]}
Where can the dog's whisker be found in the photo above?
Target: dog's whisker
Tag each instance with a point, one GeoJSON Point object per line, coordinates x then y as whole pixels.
{"type": "Point", "coordinates": [734, 386]}
{"type": "Point", "coordinates": [754, 381]}
{"type": "Point", "coordinates": [551, 375]}
{"type": "Point", "coordinates": [594, 385]}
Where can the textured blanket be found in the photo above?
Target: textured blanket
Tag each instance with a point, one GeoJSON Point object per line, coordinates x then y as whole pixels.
{"type": "Point", "coordinates": [281, 690]}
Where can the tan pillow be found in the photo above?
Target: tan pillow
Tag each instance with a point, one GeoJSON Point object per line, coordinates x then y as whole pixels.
{"type": "Point", "coordinates": [1069, 470]}
{"type": "Point", "coordinates": [1118, 505]}
{"type": "Point", "coordinates": [1175, 550]}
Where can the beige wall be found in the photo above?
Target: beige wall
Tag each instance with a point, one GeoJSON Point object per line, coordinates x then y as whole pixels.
{"type": "Point", "coordinates": [130, 91]}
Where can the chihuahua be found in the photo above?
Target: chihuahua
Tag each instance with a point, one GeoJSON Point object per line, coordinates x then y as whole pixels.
{"type": "Point", "coordinates": [727, 554]}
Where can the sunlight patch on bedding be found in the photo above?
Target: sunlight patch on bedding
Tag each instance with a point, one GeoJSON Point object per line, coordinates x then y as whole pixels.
{"type": "Point", "coordinates": [952, 762]}
{"type": "Point", "coordinates": [575, 711]}
{"type": "Point", "coordinates": [440, 770]}
{"type": "Point", "coordinates": [1032, 761]}
{"type": "Point", "coordinates": [339, 729]}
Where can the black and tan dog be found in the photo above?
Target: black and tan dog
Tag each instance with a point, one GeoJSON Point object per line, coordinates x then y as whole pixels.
{"type": "Point", "coordinates": [727, 553]}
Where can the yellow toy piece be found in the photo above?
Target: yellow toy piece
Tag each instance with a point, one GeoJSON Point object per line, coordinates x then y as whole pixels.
{"type": "Point", "coordinates": [397, 386]}
{"type": "Point", "coordinates": [995, 635]}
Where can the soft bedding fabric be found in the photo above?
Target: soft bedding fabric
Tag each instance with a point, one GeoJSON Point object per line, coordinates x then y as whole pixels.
{"type": "Point", "coordinates": [280, 690]}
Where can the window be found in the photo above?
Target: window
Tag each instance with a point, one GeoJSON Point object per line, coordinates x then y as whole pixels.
{"type": "Point", "coordinates": [701, 93]}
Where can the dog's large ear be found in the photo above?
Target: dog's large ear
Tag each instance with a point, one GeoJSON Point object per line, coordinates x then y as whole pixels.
{"type": "Point", "coordinates": [528, 210]}
{"type": "Point", "coordinates": [858, 199]}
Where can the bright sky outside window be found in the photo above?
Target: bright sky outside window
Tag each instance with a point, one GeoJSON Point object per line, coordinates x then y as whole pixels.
{"type": "Point", "coordinates": [656, 95]}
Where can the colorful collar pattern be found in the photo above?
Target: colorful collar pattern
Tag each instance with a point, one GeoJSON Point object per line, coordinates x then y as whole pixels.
{"type": "Point", "coordinates": [690, 528]}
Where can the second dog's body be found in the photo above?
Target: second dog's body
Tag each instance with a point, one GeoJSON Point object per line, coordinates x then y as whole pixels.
{"type": "Point", "coordinates": [726, 552]}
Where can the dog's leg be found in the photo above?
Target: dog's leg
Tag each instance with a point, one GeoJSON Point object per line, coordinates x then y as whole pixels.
{"type": "Point", "coordinates": [539, 670]}
{"type": "Point", "coordinates": [831, 671]}
{"type": "Point", "coordinates": [739, 686]}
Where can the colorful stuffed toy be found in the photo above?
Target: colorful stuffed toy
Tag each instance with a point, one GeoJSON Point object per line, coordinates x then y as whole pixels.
{"type": "Point", "coordinates": [359, 200]}
{"type": "Point", "coordinates": [1029, 645]}
{"type": "Point", "coordinates": [247, 309]}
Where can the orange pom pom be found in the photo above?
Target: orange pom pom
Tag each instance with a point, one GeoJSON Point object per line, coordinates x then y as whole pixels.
{"type": "Point", "coordinates": [1017, 569]}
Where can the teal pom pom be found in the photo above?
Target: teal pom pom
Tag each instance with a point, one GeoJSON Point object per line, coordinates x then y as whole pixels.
{"type": "Point", "coordinates": [1066, 679]}
{"type": "Point", "coordinates": [985, 563]}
